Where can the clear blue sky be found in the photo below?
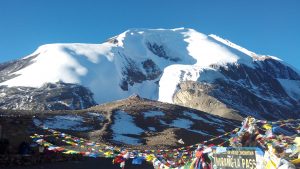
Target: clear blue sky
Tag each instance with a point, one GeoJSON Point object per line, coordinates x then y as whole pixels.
{"type": "Point", "coordinates": [263, 26]}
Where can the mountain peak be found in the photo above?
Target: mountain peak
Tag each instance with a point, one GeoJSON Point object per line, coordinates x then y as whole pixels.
{"type": "Point", "coordinates": [153, 63]}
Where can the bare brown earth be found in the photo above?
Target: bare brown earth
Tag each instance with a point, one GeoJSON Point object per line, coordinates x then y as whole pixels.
{"type": "Point", "coordinates": [195, 95]}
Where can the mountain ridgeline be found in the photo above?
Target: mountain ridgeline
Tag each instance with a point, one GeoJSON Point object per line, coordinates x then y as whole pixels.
{"type": "Point", "coordinates": [179, 66]}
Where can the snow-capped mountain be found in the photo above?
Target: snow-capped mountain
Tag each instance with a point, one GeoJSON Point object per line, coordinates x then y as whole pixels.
{"type": "Point", "coordinates": [179, 66]}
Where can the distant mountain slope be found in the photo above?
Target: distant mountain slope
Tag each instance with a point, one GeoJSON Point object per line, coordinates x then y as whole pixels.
{"type": "Point", "coordinates": [158, 64]}
{"type": "Point", "coordinates": [58, 96]}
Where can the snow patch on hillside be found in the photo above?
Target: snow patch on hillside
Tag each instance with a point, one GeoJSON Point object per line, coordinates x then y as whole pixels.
{"type": "Point", "coordinates": [66, 122]}
{"type": "Point", "coordinates": [153, 114]}
{"type": "Point", "coordinates": [123, 125]}
{"type": "Point", "coordinates": [206, 120]}
{"type": "Point", "coordinates": [182, 123]}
